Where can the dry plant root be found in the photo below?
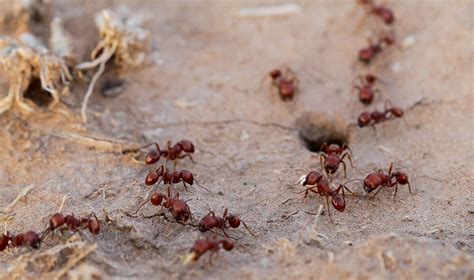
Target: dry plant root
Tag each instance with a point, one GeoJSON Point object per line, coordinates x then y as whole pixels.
{"type": "Point", "coordinates": [124, 39]}
{"type": "Point", "coordinates": [24, 60]}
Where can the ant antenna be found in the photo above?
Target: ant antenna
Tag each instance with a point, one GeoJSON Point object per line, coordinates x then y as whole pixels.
{"type": "Point", "coordinates": [197, 183]}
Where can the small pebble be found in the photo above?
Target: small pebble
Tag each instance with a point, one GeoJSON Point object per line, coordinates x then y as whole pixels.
{"type": "Point", "coordinates": [408, 41]}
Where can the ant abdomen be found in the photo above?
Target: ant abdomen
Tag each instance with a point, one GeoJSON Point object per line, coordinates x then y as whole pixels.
{"type": "Point", "coordinates": [339, 203]}
{"type": "Point", "coordinates": [152, 157]}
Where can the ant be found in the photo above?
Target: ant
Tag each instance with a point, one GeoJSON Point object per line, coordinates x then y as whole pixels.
{"type": "Point", "coordinates": [286, 82]}
{"type": "Point", "coordinates": [174, 177]}
{"type": "Point", "coordinates": [171, 153]}
{"type": "Point", "coordinates": [28, 239]}
{"type": "Point", "coordinates": [210, 221]}
{"type": "Point", "coordinates": [212, 244]}
{"type": "Point", "coordinates": [366, 88]}
{"type": "Point", "coordinates": [71, 223]}
{"type": "Point", "coordinates": [379, 179]}
{"type": "Point", "coordinates": [367, 54]}
{"type": "Point", "coordinates": [381, 11]}
{"type": "Point", "coordinates": [178, 207]}
{"type": "Point", "coordinates": [322, 188]}
{"type": "Point", "coordinates": [334, 155]}
{"type": "Point", "coordinates": [374, 117]}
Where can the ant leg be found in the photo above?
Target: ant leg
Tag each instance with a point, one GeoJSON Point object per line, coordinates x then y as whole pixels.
{"type": "Point", "coordinates": [321, 156]}
{"type": "Point", "coordinates": [376, 192]}
{"type": "Point", "coordinates": [188, 155]}
{"type": "Point", "coordinates": [329, 212]}
{"type": "Point", "coordinates": [349, 157]}
{"type": "Point", "coordinates": [225, 233]}
{"type": "Point", "coordinates": [344, 165]}
{"type": "Point", "coordinates": [307, 190]}
{"type": "Point", "coordinates": [197, 183]}
{"type": "Point", "coordinates": [409, 188]}
{"type": "Point", "coordinates": [323, 147]}
{"type": "Point", "coordinates": [346, 147]}
{"type": "Point", "coordinates": [396, 189]}
{"type": "Point", "coordinates": [185, 187]}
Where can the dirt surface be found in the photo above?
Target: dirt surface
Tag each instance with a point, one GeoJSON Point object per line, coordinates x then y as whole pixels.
{"type": "Point", "coordinates": [209, 87]}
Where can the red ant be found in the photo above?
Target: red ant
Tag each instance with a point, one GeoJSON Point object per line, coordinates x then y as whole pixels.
{"type": "Point", "coordinates": [381, 11]}
{"type": "Point", "coordinates": [168, 177]}
{"type": "Point", "coordinates": [178, 207]}
{"type": "Point", "coordinates": [366, 89]}
{"type": "Point", "coordinates": [210, 221]}
{"type": "Point", "coordinates": [286, 82]}
{"type": "Point", "coordinates": [334, 155]}
{"type": "Point", "coordinates": [71, 223]}
{"type": "Point", "coordinates": [322, 188]}
{"type": "Point", "coordinates": [379, 179]}
{"type": "Point", "coordinates": [374, 117]}
{"type": "Point", "coordinates": [367, 54]}
{"type": "Point", "coordinates": [28, 239]}
{"type": "Point", "coordinates": [171, 153]}
{"type": "Point", "coordinates": [212, 244]}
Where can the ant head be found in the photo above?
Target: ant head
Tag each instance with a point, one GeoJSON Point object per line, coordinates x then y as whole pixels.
{"type": "Point", "coordinates": [287, 88]}
{"type": "Point", "coordinates": [366, 95]}
{"type": "Point", "coordinates": [275, 73]}
{"type": "Point", "coordinates": [151, 178]}
{"type": "Point", "coordinates": [4, 240]}
{"type": "Point", "coordinates": [339, 203]}
{"type": "Point", "coordinates": [397, 112]}
{"type": "Point", "coordinates": [364, 119]}
{"type": "Point", "coordinates": [333, 149]}
{"type": "Point", "coordinates": [156, 198]}
{"type": "Point", "coordinates": [234, 220]}
{"type": "Point", "coordinates": [56, 221]}
{"type": "Point", "coordinates": [370, 78]}
{"type": "Point", "coordinates": [187, 176]}
{"type": "Point", "coordinates": [152, 157]}
{"type": "Point", "coordinates": [386, 14]}
{"type": "Point", "coordinates": [227, 244]}
{"type": "Point", "coordinates": [366, 55]}
{"type": "Point", "coordinates": [93, 224]}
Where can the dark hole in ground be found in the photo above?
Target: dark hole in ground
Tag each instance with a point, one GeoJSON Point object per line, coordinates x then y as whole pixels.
{"type": "Point", "coordinates": [317, 129]}
{"type": "Point", "coordinates": [35, 93]}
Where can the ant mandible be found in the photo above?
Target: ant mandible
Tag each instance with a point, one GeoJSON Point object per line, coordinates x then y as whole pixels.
{"type": "Point", "coordinates": [374, 117]}
{"type": "Point", "coordinates": [211, 221]}
{"type": "Point", "coordinates": [171, 153]}
{"type": "Point", "coordinates": [212, 244]}
{"type": "Point", "coordinates": [366, 55]}
{"type": "Point", "coordinates": [380, 179]}
{"type": "Point", "coordinates": [338, 198]}
{"type": "Point", "coordinates": [286, 81]}
{"type": "Point", "coordinates": [174, 177]}
{"type": "Point", "coordinates": [334, 155]}
{"type": "Point", "coordinates": [366, 88]}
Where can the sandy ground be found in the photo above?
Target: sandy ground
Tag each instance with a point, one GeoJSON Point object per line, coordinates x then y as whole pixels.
{"type": "Point", "coordinates": [210, 88]}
